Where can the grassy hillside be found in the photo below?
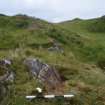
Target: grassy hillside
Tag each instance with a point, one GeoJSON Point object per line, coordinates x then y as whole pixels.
{"type": "Point", "coordinates": [81, 63]}
{"type": "Point", "coordinates": [93, 31]}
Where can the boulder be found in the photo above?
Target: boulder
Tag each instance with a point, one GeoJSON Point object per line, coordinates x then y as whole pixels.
{"type": "Point", "coordinates": [44, 72]}
{"type": "Point", "coordinates": [6, 76]}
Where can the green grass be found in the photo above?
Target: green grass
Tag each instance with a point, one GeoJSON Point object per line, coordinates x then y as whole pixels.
{"type": "Point", "coordinates": [84, 49]}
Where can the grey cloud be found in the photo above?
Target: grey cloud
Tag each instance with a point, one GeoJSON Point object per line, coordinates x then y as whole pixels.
{"type": "Point", "coordinates": [54, 10]}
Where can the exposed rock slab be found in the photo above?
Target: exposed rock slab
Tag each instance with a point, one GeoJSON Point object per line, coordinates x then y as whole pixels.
{"type": "Point", "coordinates": [44, 72]}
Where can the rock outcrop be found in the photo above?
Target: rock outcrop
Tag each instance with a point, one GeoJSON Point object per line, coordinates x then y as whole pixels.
{"type": "Point", "coordinates": [56, 47]}
{"type": "Point", "coordinates": [6, 76]}
{"type": "Point", "coordinates": [45, 73]}
{"type": "Point", "coordinates": [8, 73]}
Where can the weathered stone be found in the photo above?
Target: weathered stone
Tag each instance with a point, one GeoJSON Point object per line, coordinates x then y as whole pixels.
{"type": "Point", "coordinates": [56, 47]}
{"type": "Point", "coordinates": [5, 62]}
{"type": "Point", "coordinates": [8, 75]}
{"type": "Point", "coordinates": [11, 77]}
{"type": "Point", "coordinates": [45, 73]}
{"type": "Point", "coordinates": [5, 77]}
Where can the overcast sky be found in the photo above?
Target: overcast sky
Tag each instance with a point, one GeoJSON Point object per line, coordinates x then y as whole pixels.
{"type": "Point", "coordinates": [54, 10]}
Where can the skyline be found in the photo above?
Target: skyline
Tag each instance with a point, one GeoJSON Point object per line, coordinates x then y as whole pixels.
{"type": "Point", "coordinates": [55, 10]}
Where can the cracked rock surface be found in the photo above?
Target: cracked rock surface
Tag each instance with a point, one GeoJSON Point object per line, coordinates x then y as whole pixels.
{"type": "Point", "coordinates": [45, 73]}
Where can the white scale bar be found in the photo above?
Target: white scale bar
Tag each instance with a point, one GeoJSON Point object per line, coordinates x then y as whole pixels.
{"type": "Point", "coordinates": [50, 96]}
{"type": "Point", "coordinates": [68, 96]}
{"type": "Point", "coordinates": [30, 97]}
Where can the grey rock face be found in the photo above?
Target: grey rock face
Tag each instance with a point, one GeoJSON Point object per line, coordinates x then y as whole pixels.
{"type": "Point", "coordinates": [56, 48]}
{"type": "Point", "coordinates": [45, 73]}
{"type": "Point", "coordinates": [5, 77]}
{"type": "Point", "coordinates": [34, 66]}
{"type": "Point", "coordinates": [9, 75]}
{"type": "Point", "coordinates": [5, 62]}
